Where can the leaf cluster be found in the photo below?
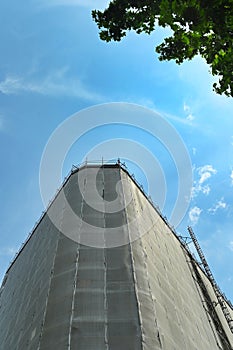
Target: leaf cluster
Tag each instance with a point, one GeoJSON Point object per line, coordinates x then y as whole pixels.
{"type": "Point", "coordinates": [198, 27]}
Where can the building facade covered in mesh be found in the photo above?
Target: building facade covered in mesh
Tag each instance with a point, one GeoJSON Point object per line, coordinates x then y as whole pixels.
{"type": "Point", "coordinates": [118, 277]}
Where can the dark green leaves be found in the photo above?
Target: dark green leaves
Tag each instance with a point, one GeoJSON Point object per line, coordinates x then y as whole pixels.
{"type": "Point", "coordinates": [199, 27]}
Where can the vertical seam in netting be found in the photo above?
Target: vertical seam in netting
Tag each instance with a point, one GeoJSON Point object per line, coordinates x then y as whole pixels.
{"type": "Point", "coordinates": [132, 261]}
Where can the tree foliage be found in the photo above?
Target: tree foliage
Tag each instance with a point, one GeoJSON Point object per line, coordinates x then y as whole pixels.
{"type": "Point", "coordinates": [198, 27]}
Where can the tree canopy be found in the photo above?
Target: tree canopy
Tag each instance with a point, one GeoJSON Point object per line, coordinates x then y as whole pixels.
{"type": "Point", "coordinates": [198, 27]}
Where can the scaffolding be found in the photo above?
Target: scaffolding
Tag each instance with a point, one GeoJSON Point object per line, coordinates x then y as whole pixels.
{"type": "Point", "coordinates": [209, 274]}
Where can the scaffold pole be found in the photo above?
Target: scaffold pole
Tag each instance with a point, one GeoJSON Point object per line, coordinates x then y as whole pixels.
{"type": "Point", "coordinates": [216, 288]}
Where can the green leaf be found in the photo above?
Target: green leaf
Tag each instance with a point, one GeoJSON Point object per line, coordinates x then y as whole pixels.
{"type": "Point", "coordinates": [199, 28]}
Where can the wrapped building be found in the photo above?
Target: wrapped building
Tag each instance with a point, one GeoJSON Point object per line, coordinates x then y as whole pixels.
{"type": "Point", "coordinates": [103, 270]}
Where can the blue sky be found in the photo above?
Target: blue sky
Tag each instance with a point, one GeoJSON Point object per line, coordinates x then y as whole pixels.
{"type": "Point", "coordinates": [53, 65]}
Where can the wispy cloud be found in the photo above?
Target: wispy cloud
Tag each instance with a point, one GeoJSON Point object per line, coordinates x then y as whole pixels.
{"type": "Point", "coordinates": [150, 104]}
{"type": "Point", "coordinates": [231, 176]}
{"type": "Point", "coordinates": [55, 84]}
{"type": "Point", "coordinates": [194, 150]}
{"type": "Point", "coordinates": [8, 251]}
{"type": "Point", "coordinates": [186, 108]}
{"type": "Point", "coordinates": [185, 121]}
{"type": "Point", "coordinates": [10, 86]}
{"type": "Point", "coordinates": [231, 245]}
{"type": "Point", "coordinates": [221, 204]}
{"type": "Point", "coordinates": [194, 215]}
{"type": "Point", "coordinates": [189, 115]}
{"type": "Point", "coordinates": [204, 173]}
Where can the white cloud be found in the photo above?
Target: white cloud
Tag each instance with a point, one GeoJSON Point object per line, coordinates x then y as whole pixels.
{"type": "Point", "coordinates": [194, 150]}
{"type": "Point", "coordinates": [205, 172]}
{"type": "Point", "coordinates": [190, 117]}
{"type": "Point", "coordinates": [10, 86]}
{"type": "Point", "coordinates": [205, 189]}
{"type": "Point", "coordinates": [177, 119]}
{"type": "Point", "coordinates": [221, 204]}
{"type": "Point", "coordinates": [188, 112]}
{"type": "Point", "coordinates": [194, 215]}
{"type": "Point", "coordinates": [8, 251]}
{"type": "Point", "coordinates": [231, 176]}
{"type": "Point", "coordinates": [231, 245]}
{"type": "Point", "coordinates": [150, 104]}
{"type": "Point", "coordinates": [186, 107]}
{"type": "Point", "coordinates": [55, 84]}
{"type": "Point", "coordinates": [205, 176]}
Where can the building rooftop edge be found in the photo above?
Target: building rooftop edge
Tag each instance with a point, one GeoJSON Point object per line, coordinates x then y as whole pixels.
{"type": "Point", "coordinates": [104, 164]}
